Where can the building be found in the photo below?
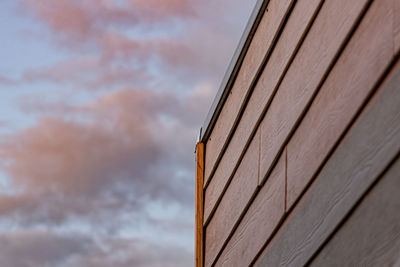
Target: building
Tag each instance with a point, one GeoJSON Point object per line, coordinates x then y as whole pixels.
{"type": "Point", "coordinates": [298, 160]}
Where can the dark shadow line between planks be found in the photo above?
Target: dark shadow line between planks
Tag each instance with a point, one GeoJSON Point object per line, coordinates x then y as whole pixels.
{"type": "Point", "coordinates": [266, 109]}
{"type": "Point", "coordinates": [241, 114]}
{"type": "Point", "coordinates": [302, 115]}
{"type": "Point", "coordinates": [259, 121]}
{"type": "Point", "coordinates": [354, 208]}
{"type": "Point", "coordinates": [259, 73]}
{"type": "Point", "coordinates": [319, 86]}
{"type": "Point", "coordinates": [376, 88]}
{"type": "Point", "coordinates": [257, 21]}
{"type": "Point", "coordinates": [335, 59]}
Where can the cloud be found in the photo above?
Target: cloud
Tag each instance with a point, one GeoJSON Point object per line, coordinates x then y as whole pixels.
{"type": "Point", "coordinates": [115, 152]}
{"type": "Point", "coordinates": [110, 178]}
{"type": "Point", "coordinates": [158, 37]}
{"type": "Point", "coordinates": [88, 72]}
{"type": "Point", "coordinates": [136, 253]}
{"type": "Point", "coordinates": [5, 80]}
{"type": "Point", "coordinates": [161, 9]}
{"type": "Point", "coordinates": [76, 21]}
{"type": "Point", "coordinates": [39, 248]}
{"type": "Point", "coordinates": [34, 248]}
{"type": "Point", "coordinates": [119, 60]}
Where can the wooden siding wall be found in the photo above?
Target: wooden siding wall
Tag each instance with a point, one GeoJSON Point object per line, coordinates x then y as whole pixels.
{"type": "Point", "coordinates": [301, 167]}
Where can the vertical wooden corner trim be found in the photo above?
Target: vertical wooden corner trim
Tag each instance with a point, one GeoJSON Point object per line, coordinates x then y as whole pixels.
{"type": "Point", "coordinates": [199, 246]}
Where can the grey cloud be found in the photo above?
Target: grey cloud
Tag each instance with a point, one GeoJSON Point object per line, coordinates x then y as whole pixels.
{"type": "Point", "coordinates": [34, 248]}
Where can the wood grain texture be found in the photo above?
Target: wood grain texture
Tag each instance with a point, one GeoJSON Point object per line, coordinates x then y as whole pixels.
{"type": "Point", "coordinates": [296, 26]}
{"type": "Point", "coordinates": [213, 193]}
{"type": "Point", "coordinates": [199, 205]}
{"type": "Point", "coordinates": [259, 222]}
{"type": "Point", "coordinates": [347, 87]}
{"type": "Point", "coordinates": [396, 32]}
{"type": "Point", "coordinates": [327, 35]}
{"type": "Point", "coordinates": [237, 196]}
{"type": "Point", "coordinates": [369, 146]}
{"type": "Point", "coordinates": [371, 236]}
{"type": "Point", "coordinates": [261, 44]}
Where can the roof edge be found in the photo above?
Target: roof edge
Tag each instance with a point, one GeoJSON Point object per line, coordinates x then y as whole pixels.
{"type": "Point", "coordinates": [233, 69]}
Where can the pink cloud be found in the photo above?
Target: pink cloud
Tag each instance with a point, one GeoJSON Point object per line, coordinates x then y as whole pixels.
{"type": "Point", "coordinates": [81, 20]}
{"type": "Point", "coordinates": [111, 153]}
{"type": "Point", "coordinates": [201, 50]}
{"type": "Point", "coordinates": [71, 69]}
{"type": "Point", "coordinates": [123, 158]}
{"type": "Point", "coordinates": [86, 72]}
{"type": "Point", "coordinates": [156, 9]}
{"type": "Point", "coordinates": [64, 17]}
{"type": "Point", "coordinates": [6, 80]}
{"type": "Point", "coordinates": [69, 155]}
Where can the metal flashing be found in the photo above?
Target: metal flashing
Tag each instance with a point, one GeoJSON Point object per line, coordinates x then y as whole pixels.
{"type": "Point", "coordinates": [233, 69]}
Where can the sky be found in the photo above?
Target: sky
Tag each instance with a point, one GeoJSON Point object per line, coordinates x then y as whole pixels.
{"type": "Point", "coordinates": [101, 102]}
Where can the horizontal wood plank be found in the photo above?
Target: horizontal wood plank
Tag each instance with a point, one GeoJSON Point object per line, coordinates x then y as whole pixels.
{"type": "Point", "coordinates": [299, 21]}
{"type": "Point", "coordinates": [259, 222]}
{"type": "Point", "coordinates": [371, 236]}
{"type": "Point", "coordinates": [261, 44]}
{"type": "Point", "coordinates": [323, 43]}
{"type": "Point", "coordinates": [347, 87]}
{"type": "Point", "coordinates": [237, 196]}
{"type": "Point", "coordinates": [396, 32]}
{"type": "Point", "coordinates": [367, 149]}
